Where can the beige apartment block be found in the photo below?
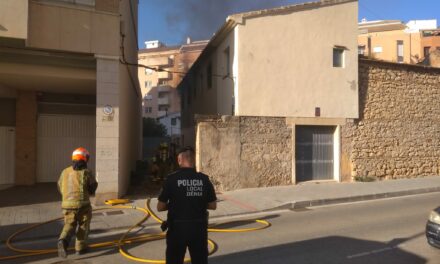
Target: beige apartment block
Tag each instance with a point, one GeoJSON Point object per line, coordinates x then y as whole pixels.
{"type": "Point", "coordinates": [394, 41]}
{"type": "Point", "coordinates": [169, 63]}
{"type": "Point", "coordinates": [63, 85]}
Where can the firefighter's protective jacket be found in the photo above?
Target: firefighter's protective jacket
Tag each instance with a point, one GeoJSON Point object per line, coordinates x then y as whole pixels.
{"type": "Point", "coordinates": [75, 187]}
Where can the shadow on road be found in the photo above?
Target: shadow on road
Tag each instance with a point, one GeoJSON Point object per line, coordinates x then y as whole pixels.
{"type": "Point", "coordinates": [29, 195]}
{"type": "Point", "coordinates": [333, 249]}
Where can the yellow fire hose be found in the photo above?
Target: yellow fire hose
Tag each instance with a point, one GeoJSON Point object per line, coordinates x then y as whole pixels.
{"type": "Point", "coordinates": [118, 204]}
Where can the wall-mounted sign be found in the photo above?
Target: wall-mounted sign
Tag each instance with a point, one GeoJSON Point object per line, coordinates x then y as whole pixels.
{"type": "Point", "coordinates": [108, 110]}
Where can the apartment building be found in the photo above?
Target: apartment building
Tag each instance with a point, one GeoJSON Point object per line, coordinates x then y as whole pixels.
{"type": "Point", "coordinates": [392, 40]}
{"type": "Point", "coordinates": [430, 41]}
{"type": "Point", "coordinates": [297, 63]}
{"type": "Point", "coordinates": [63, 85]}
{"type": "Point", "coordinates": [158, 85]}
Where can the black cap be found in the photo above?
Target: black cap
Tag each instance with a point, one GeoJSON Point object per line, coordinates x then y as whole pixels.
{"type": "Point", "coordinates": [185, 149]}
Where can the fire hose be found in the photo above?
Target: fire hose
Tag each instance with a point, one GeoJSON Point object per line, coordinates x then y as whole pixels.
{"type": "Point", "coordinates": [124, 239]}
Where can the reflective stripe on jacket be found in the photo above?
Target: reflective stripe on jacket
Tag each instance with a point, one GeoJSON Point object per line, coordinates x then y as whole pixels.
{"type": "Point", "coordinates": [74, 187]}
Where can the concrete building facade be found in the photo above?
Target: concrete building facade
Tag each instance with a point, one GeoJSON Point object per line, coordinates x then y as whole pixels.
{"type": "Point", "coordinates": [394, 41]}
{"type": "Point", "coordinates": [63, 85]}
{"type": "Point", "coordinates": [430, 42]}
{"type": "Point", "coordinates": [158, 85]}
{"type": "Point", "coordinates": [266, 64]}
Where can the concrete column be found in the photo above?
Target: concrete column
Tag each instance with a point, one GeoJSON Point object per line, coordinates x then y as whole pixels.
{"type": "Point", "coordinates": [26, 138]}
{"type": "Point", "coordinates": [107, 128]}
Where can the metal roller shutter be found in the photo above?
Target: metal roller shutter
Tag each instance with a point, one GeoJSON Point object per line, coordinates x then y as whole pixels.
{"type": "Point", "coordinates": [314, 153]}
{"type": "Point", "coordinates": [7, 155]}
{"type": "Point", "coordinates": [58, 136]}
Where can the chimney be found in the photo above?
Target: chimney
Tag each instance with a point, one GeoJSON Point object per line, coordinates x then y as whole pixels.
{"type": "Point", "coordinates": [188, 40]}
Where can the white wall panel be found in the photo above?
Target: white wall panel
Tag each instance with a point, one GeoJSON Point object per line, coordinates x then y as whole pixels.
{"type": "Point", "coordinates": [7, 155]}
{"type": "Point", "coordinates": [58, 136]}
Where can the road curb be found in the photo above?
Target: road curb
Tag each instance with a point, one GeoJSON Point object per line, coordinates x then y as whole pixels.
{"type": "Point", "coordinates": [286, 206]}
{"type": "Point", "coordinates": [358, 198]}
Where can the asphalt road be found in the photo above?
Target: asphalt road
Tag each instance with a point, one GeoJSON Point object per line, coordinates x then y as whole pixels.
{"type": "Point", "coordinates": [380, 231]}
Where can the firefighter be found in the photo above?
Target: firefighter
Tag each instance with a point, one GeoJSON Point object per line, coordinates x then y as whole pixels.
{"type": "Point", "coordinates": [76, 183]}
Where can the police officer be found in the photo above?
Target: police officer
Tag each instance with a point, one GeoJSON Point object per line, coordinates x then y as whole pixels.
{"type": "Point", "coordinates": [187, 194]}
{"type": "Point", "coordinates": [76, 183]}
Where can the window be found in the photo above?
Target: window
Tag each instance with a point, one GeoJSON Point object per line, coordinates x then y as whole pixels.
{"type": "Point", "coordinates": [400, 51]}
{"type": "Point", "coordinates": [426, 51]}
{"type": "Point", "coordinates": [79, 2]}
{"type": "Point", "coordinates": [377, 49]}
{"type": "Point", "coordinates": [148, 84]}
{"type": "Point", "coordinates": [163, 82]}
{"type": "Point", "coordinates": [174, 121]}
{"type": "Point", "coordinates": [188, 98]}
{"type": "Point", "coordinates": [163, 108]}
{"type": "Point", "coordinates": [148, 71]}
{"type": "Point", "coordinates": [148, 97]}
{"type": "Point", "coordinates": [148, 110]}
{"type": "Point", "coordinates": [338, 57]}
{"type": "Point", "coordinates": [361, 50]}
{"type": "Point", "coordinates": [182, 100]}
{"type": "Point", "coordinates": [201, 82]}
{"type": "Point", "coordinates": [209, 76]}
{"type": "Point", "coordinates": [227, 62]}
{"type": "Point", "coordinates": [193, 84]}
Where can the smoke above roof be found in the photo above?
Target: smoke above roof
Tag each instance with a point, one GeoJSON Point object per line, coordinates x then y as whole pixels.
{"type": "Point", "coordinates": [200, 19]}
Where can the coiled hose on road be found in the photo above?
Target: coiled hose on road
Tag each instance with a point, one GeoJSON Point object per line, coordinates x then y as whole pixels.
{"type": "Point", "coordinates": [116, 204]}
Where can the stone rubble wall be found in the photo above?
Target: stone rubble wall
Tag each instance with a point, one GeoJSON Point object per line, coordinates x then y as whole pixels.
{"type": "Point", "coordinates": [397, 134]}
{"type": "Point", "coordinates": [245, 152]}
{"type": "Point", "coordinates": [266, 151]}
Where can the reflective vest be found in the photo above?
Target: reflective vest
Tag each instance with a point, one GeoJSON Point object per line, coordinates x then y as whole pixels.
{"type": "Point", "coordinates": [74, 186]}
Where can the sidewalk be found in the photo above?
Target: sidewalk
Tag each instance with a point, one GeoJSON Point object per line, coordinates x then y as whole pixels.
{"type": "Point", "coordinates": [232, 203]}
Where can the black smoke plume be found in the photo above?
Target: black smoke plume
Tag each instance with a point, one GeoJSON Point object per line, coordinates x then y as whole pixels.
{"type": "Point", "coordinates": [200, 19]}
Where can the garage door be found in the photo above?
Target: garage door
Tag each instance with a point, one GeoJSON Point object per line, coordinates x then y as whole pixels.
{"type": "Point", "coordinates": [314, 152]}
{"type": "Point", "coordinates": [7, 155]}
{"type": "Point", "coordinates": [58, 136]}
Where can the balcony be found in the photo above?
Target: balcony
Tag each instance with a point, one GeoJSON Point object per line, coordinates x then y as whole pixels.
{"type": "Point", "coordinates": [161, 113]}
{"type": "Point", "coordinates": [163, 88]}
{"type": "Point", "coordinates": [14, 19]}
{"type": "Point", "coordinates": [164, 75]}
{"type": "Point", "coordinates": [163, 101]}
{"type": "Point", "coordinates": [161, 61]}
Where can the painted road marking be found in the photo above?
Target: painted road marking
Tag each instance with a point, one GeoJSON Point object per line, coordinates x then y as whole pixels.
{"type": "Point", "coordinates": [372, 252]}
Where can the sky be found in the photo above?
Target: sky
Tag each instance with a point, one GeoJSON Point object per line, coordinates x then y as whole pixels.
{"type": "Point", "coordinates": [172, 21]}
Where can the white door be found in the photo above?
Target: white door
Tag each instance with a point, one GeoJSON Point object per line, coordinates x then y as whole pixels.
{"type": "Point", "coordinates": [7, 155]}
{"type": "Point", "coordinates": [58, 136]}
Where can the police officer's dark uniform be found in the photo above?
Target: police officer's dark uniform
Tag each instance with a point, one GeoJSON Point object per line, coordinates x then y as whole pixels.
{"type": "Point", "coordinates": [187, 194]}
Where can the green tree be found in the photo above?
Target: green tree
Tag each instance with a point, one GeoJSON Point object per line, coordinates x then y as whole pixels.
{"type": "Point", "coordinates": [152, 128]}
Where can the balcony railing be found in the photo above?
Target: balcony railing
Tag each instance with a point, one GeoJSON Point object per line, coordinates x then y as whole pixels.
{"type": "Point", "coordinates": [164, 75]}
{"type": "Point", "coordinates": [163, 88]}
{"type": "Point", "coordinates": [78, 2]}
{"type": "Point", "coordinates": [163, 101]}
{"type": "Point", "coordinates": [162, 61]}
{"type": "Point", "coordinates": [161, 113]}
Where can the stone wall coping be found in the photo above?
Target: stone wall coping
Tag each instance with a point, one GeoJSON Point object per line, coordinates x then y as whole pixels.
{"type": "Point", "coordinates": [399, 65]}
